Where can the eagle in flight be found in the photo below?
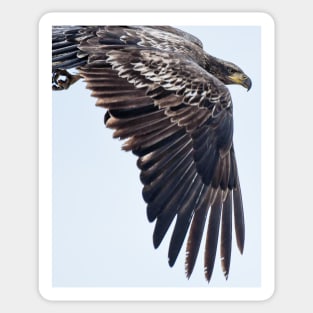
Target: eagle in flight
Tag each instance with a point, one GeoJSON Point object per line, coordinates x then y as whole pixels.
{"type": "Point", "coordinates": [168, 98]}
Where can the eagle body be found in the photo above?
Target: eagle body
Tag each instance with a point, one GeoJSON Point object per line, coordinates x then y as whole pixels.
{"type": "Point", "coordinates": [168, 99]}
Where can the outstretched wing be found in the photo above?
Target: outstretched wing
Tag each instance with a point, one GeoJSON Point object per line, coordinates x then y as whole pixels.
{"type": "Point", "coordinates": [177, 118]}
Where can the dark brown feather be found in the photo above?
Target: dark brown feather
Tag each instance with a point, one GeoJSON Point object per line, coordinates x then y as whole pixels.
{"type": "Point", "coordinates": [184, 216]}
{"type": "Point", "coordinates": [239, 218]}
{"type": "Point", "coordinates": [169, 204]}
{"type": "Point", "coordinates": [226, 234]}
{"type": "Point", "coordinates": [212, 236]}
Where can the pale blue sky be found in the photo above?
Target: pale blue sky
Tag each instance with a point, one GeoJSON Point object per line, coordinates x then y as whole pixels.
{"type": "Point", "coordinates": [101, 236]}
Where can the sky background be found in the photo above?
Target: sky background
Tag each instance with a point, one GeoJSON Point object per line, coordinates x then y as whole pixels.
{"type": "Point", "coordinates": [101, 236]}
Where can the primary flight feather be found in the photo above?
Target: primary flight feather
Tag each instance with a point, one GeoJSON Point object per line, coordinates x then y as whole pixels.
{"type": "Point", "coordinates": [168, 99]}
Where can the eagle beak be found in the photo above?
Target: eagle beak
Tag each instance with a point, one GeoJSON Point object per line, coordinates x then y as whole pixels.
{"type": "Point", "coordinates": [241, 79]}
{"type": "Point", "coordinates": [247, 83]}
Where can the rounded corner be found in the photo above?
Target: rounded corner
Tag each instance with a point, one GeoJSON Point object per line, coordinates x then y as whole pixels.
{"type": "Point", "coordinates": [268, 18]}
{"type": "Point", "coordinates": [44, 294]}
{"type": "Point", "coordinates": [45, 17]}
{"type": "Point", "coordinates": [269, 293]}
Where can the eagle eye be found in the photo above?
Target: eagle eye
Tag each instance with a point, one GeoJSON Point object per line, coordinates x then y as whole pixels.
{"type": "Point", "coordinates": [230, 70]}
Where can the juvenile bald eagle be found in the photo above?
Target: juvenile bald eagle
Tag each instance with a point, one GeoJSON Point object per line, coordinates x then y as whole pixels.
{"type": "Point", "coordinates": [168, 98]}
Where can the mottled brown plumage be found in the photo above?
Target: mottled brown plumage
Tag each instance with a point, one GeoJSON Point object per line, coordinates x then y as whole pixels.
{"type": "Point", "coordinates": [167, 98]}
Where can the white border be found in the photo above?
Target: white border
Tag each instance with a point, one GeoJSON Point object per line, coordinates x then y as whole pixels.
{"type": "Point", "coordinates": [45, 156]}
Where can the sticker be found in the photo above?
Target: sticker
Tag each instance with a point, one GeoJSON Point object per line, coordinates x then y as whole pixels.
{"type": "Point", "coordinates": [95, 238]}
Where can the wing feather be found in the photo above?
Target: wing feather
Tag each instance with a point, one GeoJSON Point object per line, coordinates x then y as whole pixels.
{"type": "Point", "coordinates": [226, 234]}
{"type": "Point", "coordinates": [167, 209]}
{"type": "Point", "coordinates": [197, 227]}
{"type": "Point", "coordinates": [212, 236]}
{"type": "Point", "coordinates": [184, 217]}
{"type": "Point", "coordinates": [167, 179]}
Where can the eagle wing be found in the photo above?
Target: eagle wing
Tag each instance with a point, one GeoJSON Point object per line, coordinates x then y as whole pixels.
{"type": "Point", "coordinates": [177, 118]}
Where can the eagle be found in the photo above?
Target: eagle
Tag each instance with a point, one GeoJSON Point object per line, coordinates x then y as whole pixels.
{"type": "Point", "coordinates": [167, 99]}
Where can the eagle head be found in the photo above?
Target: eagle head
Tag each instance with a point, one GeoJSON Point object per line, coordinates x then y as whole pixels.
{"type": "Point", "coordinates": [228, 72]}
